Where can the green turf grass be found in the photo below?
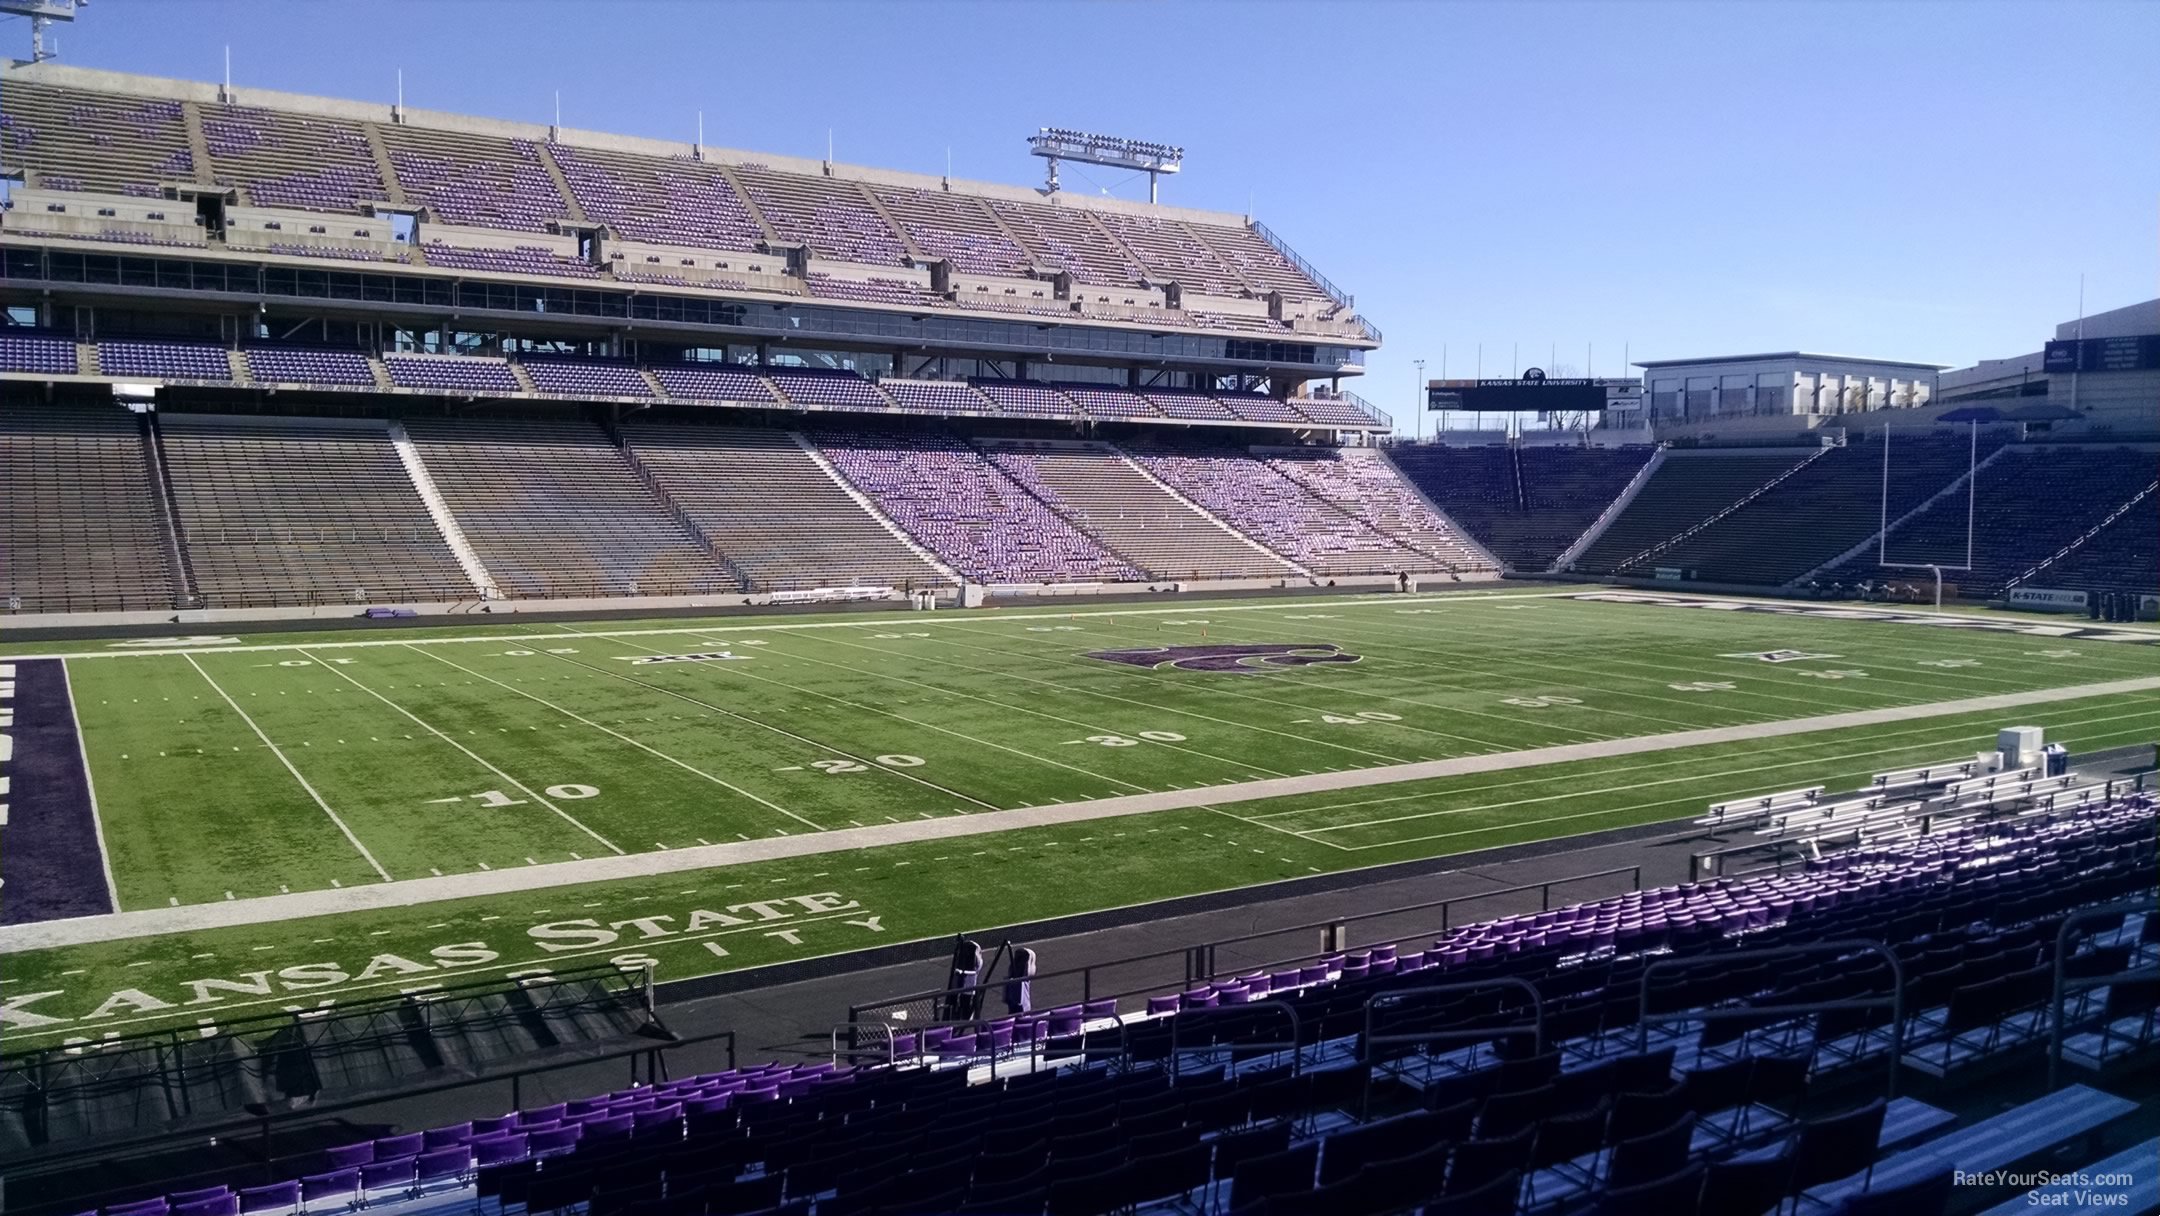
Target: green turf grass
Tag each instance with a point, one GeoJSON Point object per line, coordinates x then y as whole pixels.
{"type": "Point", "coordinates": [451, 751]}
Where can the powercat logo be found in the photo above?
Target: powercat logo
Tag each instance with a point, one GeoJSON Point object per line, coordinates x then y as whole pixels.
{"type": "Point", "coordinates": [1247, 658]}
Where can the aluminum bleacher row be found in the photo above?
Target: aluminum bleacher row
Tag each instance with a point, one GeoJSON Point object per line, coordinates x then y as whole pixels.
{"type": "Point", "coordinates": [1526, 504]}
{"type": "Point", "coordinates": [270, 510]}
{"type": "Point", "coordinates": [1713, 1049]}
{"type": "Point", "coordinates": [34, 354]}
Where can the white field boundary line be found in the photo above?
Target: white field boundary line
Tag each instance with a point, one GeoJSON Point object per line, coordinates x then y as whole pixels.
{"type": "Point", "coordinates": [1680, 779]}
{"type": "Point", "coordinates": [15, 939]}
{"type": "Point", "coordinates": [97, 822]}
{"type": "Point", "coordinates": [279, 752]}
{"type": "Point", "coordinates": [476, 758]}
{"type": "Point", "coordinates": [879, 621]}
{"type": "Point", "coordinates": [1583, 592]}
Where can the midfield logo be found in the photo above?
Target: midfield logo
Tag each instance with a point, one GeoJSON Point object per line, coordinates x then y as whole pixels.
{"type": "Point", "coordinates": [1245, 658]}
{"type": "Point", "coordinates": [1778, 656]}
{"type": "Point", "coordinates": [709, 656]}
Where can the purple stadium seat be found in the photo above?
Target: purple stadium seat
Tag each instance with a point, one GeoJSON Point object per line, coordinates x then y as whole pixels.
{"type": "Point", "coordinates": [543, 1114]}
{"type": "Point", "coordinates": [444, 1137]}
{"type": "Point", "coordinates": [275, 1197]}
{"type": "Point", "coordinates": [442, 1166]}
{"type": "Point", "coordinates": [388, 1147]}
{"type": "Point", "coordinates": [388, 1175]}
{"type": "Point", "coordinates": [499, 1147]}
{"type": "Point", "coordinates": [555, 1140]}
{"type": "Point", "coordinates": [227, 1204]}
{"type": "Point", "coordinates": [349, 1155]}
{"type": "Point", "coordinates": [333, 1188]}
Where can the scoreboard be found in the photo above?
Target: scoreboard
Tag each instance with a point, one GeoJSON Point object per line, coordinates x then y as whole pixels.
{"type": "Point", "coordinates": [2136, 352]}
{"type": "Point", "coordinates": [1534, 392]}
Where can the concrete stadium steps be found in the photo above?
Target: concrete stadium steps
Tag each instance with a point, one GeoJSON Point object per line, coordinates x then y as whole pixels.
{"type": "Point", "coordinates": [1138, 518]}
{"type": "Point", "coordinates": [79, 523]}
{"type": "Point", "coordinates": [278, 511]}
{"type": "Point", "coordinates": [767, 505]}
{"type": "Point", "coordinates": [553, 509]}
{"type": "Point", "coordinates": [1689, 487]}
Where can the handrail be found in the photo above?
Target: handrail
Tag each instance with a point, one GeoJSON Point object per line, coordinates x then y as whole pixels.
{"type": "Point", "coordinates": [1296, 1045]}
{"type": "Point", "coordinates": [262, 1128]}
{"type": "Point", "coordinates": [1199, 957]}
{"type": "Point", "coordinates": [1366, 1040]}
{"type": "Point", "coordinates": [2086, 535]}
{"type": "Point", "coordinates": [1370, 410]}
{"type": "Point", "coordinates": [1895, 1001]}
{"type": "Point", "coordinates": [1700, 525]}
{"type": "Point", "coordinates": [2065, 986]}
{"type": "Point", "coordinates": [1304, 267]}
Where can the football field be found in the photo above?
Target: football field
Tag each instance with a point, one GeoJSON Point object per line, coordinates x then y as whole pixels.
{"type": "Point", "coordinates": [278, 815]}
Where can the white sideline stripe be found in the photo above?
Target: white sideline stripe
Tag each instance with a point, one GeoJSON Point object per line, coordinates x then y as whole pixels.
{"type": "Point", "coordinates": [97, 822]}
{"type": "Point", "coordinates": [15, 939]}
{"type": "Point", "coordinates": [730, 786]}
{"type": "Point", "coordinates": [721, 625]}
{"type": "Point", "coordinates": [529, 791]}
{"type": "Point", "coordinates": [279, 752]}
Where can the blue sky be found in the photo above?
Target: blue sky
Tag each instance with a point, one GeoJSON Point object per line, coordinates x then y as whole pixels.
{"type": "Point", "coordinates": [1910, 180]}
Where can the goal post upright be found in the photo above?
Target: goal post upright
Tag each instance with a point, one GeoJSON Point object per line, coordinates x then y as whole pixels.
{"type": "Point", "coordinates": [1972, 500]}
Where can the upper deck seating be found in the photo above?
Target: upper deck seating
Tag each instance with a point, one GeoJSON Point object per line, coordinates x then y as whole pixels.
{"type": "Point", "coordinates": [481, 181]}
{"type": "Point", "coordinates": [79, 525]}
{"type": "Point", "coordinates": [766, 504]}
{"type": "Point", "coordinates": [282, 159]}
{"type": "Point", "coordinates": [831, 216]}
{"type": "Point", "coordinates": [957, 227]}
{"type": "Point", "coordinates": [291, 511]}
{"type": "Point", "coordinates": [76, 139]}
{"type": "Point", "coordinates": [554, 510]}
{"type": "Point", "coordinates": [1109, 499]}
{"type": "Point", "coordinates": [959, 506]}
{"type": "Point", "coordinates": [672, 201]}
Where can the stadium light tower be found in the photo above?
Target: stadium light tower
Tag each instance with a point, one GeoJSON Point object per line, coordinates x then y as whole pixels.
{"type": "Point", "coordinates": [41, 14]}
{"type": "Point", "coordinates": [1058, 143]}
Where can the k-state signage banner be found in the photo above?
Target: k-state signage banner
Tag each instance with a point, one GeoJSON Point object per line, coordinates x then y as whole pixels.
{"type": "Point", "coordinates": [2047, 599]}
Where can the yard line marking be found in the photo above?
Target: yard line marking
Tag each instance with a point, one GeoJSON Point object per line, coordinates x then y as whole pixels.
{"type": "Point", "coordinates": [417, 721]}
{"type": "Point", "coordinates": [97, 824]}
{"type": "Point", "coordinates": [762, 725]}
{"type": "Point", "coordinates": [1190, 751]}
{"type": "Point", "coordinates": [279, 752]}
{"type": "Point", "coordinates": [728, 785]}
{"type": "Point", "coordinates": [263, 909]}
